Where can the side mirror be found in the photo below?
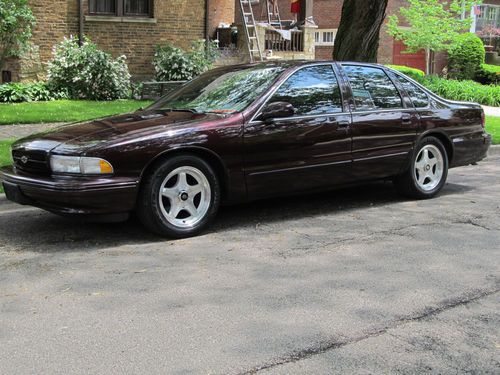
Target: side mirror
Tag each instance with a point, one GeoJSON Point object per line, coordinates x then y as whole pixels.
{"type": "Point", "coordinates": [277, 110]}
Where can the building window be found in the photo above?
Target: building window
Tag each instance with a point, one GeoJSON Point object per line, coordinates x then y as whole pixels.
{"type": "Point", "coordinates": [121, 8]}
{"type": "Point", "coordinates": [325, 37]}
{"type": "Point", "coordinates": [492, 14]}
{"type": "Point", "coordinates": [486, 17]}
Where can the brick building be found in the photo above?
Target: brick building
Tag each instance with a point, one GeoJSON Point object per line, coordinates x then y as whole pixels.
{"type": "Point", "coordinates": [135, 27]}
{"type": "Point", "coordinates": [129, 27]}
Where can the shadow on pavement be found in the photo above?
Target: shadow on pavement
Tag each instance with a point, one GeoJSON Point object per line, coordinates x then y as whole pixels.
{"type": "Point", "coordinates": [39, 231]}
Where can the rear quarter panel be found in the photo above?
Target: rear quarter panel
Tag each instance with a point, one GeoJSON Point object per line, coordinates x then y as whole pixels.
{"type": "Point", "coordinates": [461, 123]}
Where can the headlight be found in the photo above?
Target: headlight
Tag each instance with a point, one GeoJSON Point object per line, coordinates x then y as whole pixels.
{"type": "Point", "coordinates": [79, 165]}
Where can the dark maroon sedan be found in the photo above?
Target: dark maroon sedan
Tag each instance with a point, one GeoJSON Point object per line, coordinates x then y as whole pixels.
{"type": "Point", "coordinates": [248, 132]}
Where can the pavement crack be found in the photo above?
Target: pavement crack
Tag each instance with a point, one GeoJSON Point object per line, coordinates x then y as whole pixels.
{"type": "Point", "coordinates": [471, 222]}
{"type": "Point", "coordinates": [425, 313]}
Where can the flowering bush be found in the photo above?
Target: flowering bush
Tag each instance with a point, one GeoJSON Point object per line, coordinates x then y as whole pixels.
{"type": "Point", "coordinates": [489, 32]}
{"type": "Point", "coordinates": [173, 64]}
{"type": "Point", "coordinates": [87, 73]}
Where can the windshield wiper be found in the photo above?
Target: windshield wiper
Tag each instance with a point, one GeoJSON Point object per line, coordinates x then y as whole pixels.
{"type": "Point", "coordinates": [192, 110]}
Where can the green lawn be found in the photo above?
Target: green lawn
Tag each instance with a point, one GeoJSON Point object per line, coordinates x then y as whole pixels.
{"type": "Point", "coordinates": [493, 127]}
{"type": "Point", "coordinates": [64, 110]}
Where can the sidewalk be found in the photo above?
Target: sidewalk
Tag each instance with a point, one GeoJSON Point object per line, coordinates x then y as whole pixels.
{"type": "Point", "coordinates": [491, 111]}
{"type": "Point", "coordinates": [19, 131]}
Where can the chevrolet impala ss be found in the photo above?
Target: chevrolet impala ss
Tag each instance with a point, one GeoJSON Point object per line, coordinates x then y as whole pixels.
{"type": "Point", "coordinates": [249, 132]}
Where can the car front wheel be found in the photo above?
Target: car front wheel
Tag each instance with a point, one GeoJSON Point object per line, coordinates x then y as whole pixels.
{"type": "Point", "coordinates": [180, 197]}
{"type": "Point", "coordinates": [427, 173]}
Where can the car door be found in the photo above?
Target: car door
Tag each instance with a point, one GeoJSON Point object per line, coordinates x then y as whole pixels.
{"type": "Point", "coordinates": [384, 126]}
{"type": "Point", "coordinates": [310, 149]}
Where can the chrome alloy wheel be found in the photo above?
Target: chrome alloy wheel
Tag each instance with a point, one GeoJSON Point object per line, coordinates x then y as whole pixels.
{"type": "Point", "coordinates": [429, 167]}
{"type": "Point", "coordinates": [185, 197]}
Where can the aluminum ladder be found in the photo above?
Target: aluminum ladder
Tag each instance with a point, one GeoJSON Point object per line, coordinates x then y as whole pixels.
{"type": "Point", "coordinates": [273, 14]}
{"type": "Point", "coordinates": [253, 43]}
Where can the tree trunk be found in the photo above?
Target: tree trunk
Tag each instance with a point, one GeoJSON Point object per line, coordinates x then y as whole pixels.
{"type": "Point", "coordinates": [359, 31]}
{"type": "Point", "coordinates": [3, 59]}
{"type": "Point", "coordinates": [428, 63]}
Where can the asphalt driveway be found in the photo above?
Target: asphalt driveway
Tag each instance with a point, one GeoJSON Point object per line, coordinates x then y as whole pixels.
{"type": "Point", "coordinates": [351, 281]}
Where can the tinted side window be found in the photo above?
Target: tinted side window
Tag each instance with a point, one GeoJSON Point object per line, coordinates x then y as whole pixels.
{"type": "Point", "coordinates": [312, 91]}
{"type": "Point", "coordinates": [372, 88]}
{"type": "Point", "coordinates": [418, 97]}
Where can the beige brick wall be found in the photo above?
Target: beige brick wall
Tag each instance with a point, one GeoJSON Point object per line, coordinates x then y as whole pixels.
{"type": "Point", "coordinates": [386, 48]}
{"type": "Point", "coordinates": [177, 21]}
{"type": "Point", "coordinates": [220, 11]}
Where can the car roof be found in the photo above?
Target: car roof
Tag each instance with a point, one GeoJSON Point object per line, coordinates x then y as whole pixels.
{"type": "Point", "coordinates": [293, 63]}
{"type": "Point", "coordinates": [288, 64]}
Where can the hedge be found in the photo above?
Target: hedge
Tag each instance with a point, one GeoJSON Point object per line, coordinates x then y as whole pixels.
{"type": "Point", "coordinates": [416, 74]}
{"type": "Point", "coordinates": [29, 92]}
{"type": "Point", "coordinates": [465, 57]}
{"type": "Point", "coordinates": [489, 74]}
{"type": "Point", "coordinates": [463, 90]}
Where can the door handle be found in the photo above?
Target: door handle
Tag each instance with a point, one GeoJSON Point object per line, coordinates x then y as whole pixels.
{"type": "Point", "coordinates": [406, 119]}
{"type": "Point", "coordinates": [343, 125]}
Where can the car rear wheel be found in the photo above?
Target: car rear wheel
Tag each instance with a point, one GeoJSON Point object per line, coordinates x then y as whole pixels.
{"type": "Point", "coordinates": [427, 173]}
{"type": "Point", "coordinates": [180, 197]}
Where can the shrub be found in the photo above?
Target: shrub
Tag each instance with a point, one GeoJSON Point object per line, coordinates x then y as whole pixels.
{"type": "Point", "coordinates": [173, 64]}
{"type": "Point", "coordinates": [489, 74]}
{"type": "Point", "coordinates": [28, 92]}
{"type": "Point", "coordinates": [463, 90]}
{"type": "Point", "coordinates": [416, 74]}
{"type": "Point", "coordinates": [465, 56]}
{"type": "Point", "coordinates": [88, 73]}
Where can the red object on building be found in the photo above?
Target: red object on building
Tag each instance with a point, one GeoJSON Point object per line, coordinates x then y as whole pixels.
{"type": "Point", "coordinates": [295, 6]}
{"type": "Point", "coordinates": [413, 60]}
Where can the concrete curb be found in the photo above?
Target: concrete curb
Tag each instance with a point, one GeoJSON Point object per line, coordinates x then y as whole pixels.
{"type": "Point", "coordinates": [494, 150]}
{"type": "Point", "coordinates": [491, 111]}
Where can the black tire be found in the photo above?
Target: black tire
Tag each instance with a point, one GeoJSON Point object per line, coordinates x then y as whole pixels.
{"type": "Point", "coordinates": [407, 185]}
{"type": "Point", "coordinates": [149, 208]}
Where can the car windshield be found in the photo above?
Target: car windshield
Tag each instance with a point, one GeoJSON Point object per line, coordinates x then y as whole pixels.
{"type": "Point", "coordinates": [221, 90]}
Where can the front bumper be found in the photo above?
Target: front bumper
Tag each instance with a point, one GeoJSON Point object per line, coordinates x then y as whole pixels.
{"type": "Point", "coordinates": [71, 195]}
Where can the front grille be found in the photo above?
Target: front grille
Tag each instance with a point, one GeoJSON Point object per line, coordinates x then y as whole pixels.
{"type": "Point", "coordinates": [32, 161]}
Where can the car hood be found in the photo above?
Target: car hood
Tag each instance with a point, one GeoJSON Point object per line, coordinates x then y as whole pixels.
{"type": "Point", "coordinates": [77, 138]}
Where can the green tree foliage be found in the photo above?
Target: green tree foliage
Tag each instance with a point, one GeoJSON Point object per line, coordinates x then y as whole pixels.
{"type": "Point", "coordinates": [16, 24]}
{"type": "Point", "coordinates": [433, 24]}
{"type": "Point", "coordinates": [465, 56]}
